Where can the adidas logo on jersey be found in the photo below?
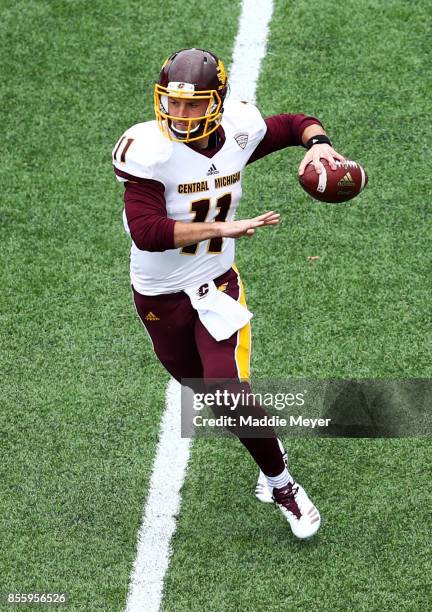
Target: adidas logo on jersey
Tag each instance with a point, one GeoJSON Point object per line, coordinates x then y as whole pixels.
{"type": "Point", "coordinates": [212, 170]}
{"type": "Point", "coordinates": [346, 181]}
{"type": "Point", "coordinates": [150, 316]}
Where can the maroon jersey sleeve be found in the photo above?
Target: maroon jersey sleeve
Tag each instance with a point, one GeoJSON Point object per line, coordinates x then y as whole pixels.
{"type": "Point", "coordinates": [146, 214]}
{"type": "Point", "coordinates": [282, 131]}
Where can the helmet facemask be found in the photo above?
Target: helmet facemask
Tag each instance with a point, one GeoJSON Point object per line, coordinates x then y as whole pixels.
{"type": "Point", "coordinates": [195, 127]}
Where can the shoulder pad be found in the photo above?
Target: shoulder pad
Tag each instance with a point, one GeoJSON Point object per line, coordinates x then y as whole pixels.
{"type": "Point", "coordinates": [245, 116]}
{"type": "Point", "coordinates": [139, 152]}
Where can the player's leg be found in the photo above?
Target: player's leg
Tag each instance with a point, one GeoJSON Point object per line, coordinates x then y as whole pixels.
{"type": "Point", "coordinates": [229, 361]}
{"type": "Point", "coordinates": [170, 322]}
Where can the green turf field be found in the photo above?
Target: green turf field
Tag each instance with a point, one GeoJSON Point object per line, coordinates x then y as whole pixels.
{"type": "Point", "coordinates": [81, 392]}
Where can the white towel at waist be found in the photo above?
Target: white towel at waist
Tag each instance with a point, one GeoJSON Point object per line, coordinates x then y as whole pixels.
{"type": "Point", "coordinates": [220, 314]}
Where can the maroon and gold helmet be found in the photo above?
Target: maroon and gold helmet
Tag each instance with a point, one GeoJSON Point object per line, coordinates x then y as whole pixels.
{"type": "Point", "coordinates": [191, 74]}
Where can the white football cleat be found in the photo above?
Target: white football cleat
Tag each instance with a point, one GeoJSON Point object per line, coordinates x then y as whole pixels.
{"type": "Point", "coordinates": [297, 508]}
{"type": "Point", "coordinates": [262, 491]}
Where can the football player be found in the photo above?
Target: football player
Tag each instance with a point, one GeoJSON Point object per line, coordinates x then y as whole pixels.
{"type": "Point", "coordinates": [182, 186]}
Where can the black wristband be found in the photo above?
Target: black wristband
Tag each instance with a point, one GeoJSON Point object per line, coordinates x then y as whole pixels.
{"type": "Point", "coordinates": [319, 139]}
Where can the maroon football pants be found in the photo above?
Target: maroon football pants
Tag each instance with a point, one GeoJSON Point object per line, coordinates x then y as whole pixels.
{"type": "Point", "coordinates": [188, 351]}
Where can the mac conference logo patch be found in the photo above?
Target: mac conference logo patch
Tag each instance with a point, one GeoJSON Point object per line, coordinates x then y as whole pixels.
{"type": "Point", "coordinates": [241, 139]}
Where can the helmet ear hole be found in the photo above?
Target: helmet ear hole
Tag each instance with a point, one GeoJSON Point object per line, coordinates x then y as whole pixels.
{"type": "Point", "coordinates": [212, 106]}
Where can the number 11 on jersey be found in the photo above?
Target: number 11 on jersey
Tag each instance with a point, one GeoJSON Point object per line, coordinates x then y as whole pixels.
{"type": "Point", "coordinates": [201, 209]}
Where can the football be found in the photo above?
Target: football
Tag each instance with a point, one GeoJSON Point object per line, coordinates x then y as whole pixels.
{"type": "Point", "coordinates": [334, 186]}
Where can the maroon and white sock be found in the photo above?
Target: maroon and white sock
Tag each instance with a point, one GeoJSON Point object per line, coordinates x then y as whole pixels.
{"type": "Point", "coordinates": [280, 481]}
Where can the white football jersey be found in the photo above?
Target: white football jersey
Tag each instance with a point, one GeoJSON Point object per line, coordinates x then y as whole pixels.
{"type": "Point", "coordinates": [197, 188]}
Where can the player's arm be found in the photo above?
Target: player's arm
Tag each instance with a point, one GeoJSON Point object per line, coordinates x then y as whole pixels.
{"type": "Point", "coordinates": [282, 131]}
{"type": "Point", "coordinates": [152, 230]}
{"type": "Point", "coordinates": [191, 233]}
{"type": "Point", "coordinates": [287, 130]}
{"type": "Point", "coordinates": [318, 150]}
{"type": "Point", "coordinates": [146, 215]}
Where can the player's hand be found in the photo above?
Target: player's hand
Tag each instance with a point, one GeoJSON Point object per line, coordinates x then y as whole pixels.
{"type": "Point", "coordinates": [247, 227]}
{"type": "Point", "coordinates": [317, 152]}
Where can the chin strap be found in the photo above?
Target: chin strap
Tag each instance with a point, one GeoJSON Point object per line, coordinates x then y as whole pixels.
{"type": "Point", "coordinates": [183, 134]}
{"type": "Point", "coordinates": [195, 132]}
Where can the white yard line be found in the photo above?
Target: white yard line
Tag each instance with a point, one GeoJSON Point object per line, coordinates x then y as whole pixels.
{"type": "Point", "coordinates": [162, 507]}
{"type": "Point", "coordinates": [249, 48]}
{"type": "Point", "coordinates": [172, 455]}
